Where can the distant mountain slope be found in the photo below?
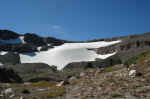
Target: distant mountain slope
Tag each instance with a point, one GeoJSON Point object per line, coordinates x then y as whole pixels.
{"type": "Point", "coordinates": [130, 46]}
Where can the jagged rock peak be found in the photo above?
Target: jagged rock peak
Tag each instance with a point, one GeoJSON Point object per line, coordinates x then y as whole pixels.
{"type": "Point", "coordinates": [7, 34]}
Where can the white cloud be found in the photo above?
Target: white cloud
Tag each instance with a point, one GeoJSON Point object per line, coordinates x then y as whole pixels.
{"type": "Point", "coordinates": [57, 29]}
{"type": "Point", "coordinates": [56, 26]}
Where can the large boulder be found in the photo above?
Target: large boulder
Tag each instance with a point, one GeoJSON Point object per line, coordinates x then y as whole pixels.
{"type": "Point", "coordinates": [29, 71]}
{"type": "Point", "coordinates": [8, 75]}
{"type": "Point", "coordinates": [10, 58]}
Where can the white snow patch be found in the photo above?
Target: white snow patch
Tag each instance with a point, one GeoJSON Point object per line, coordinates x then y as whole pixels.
{"type": "Point", "coordinates": [67, 53]}
{"type": "Point", "coordinates": [39, 48]}
{"type": "Point", "coordinates": [60, 84]}
{"type": "Point", "coordinates": [132, 73]}
{"type": "Point", "coordinates": [48, 44]}
{"type": "Point", "coordinates": [3, 53]}
{"type": "Point", "coordinates": [22, 39]}
{"type": "Point", "coordinates": [9, 90]}
{"type": "Point", "coordinates": [1, 64]}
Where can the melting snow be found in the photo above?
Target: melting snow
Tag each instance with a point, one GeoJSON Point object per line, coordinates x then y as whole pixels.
{"type": "Point", "coordinates": [132, 73]}
{"type": "Point", "coordinates": [3, 53]}
{"type": "Point", "coordinates": [60, 56]}
{"type": "Point", "coordinates": [22, 39]}
{"type": "Point", "coordinates": [1, 64]}
{"type": "Point", "coordinates": [48, 44]}
{"type": "Point", "coordinates": [39, 48]}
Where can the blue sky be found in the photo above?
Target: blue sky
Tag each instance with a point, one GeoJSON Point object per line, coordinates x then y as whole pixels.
{"type": "Point", "coordinates": [76, 19]}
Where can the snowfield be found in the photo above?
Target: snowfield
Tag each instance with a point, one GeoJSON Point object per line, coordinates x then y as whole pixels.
{"type": "Point", "coordinates": [67, 53]}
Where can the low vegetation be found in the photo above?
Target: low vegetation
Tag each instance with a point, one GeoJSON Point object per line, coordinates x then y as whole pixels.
{"type": "Point", "coordinates": [112, 68]}
{"type": "Point", "coordinates": [140, 58]}
{"type": "Point", "coordinates": [43, 84]}
{"type": "Point", "coordinates": [54, 92]}
{"type": "Point", "coordinates": [116, 95]}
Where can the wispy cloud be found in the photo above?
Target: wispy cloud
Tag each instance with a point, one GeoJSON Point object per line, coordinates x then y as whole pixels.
{"type": "Point", "coordinates": [56, 27]}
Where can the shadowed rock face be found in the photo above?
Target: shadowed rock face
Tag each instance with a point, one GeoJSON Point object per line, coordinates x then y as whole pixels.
{"type": "Point", "coordinates": [32, 71]}
{"type": "Point", "coordinates": [20, 48]}
{"type": "Point", "coordinates": [113, 60]}
{"type": "Point", "coordinates": [41, 41]}
{"type": "Point", "coordinates": [34, 39]}
{"type": "Point", "coordinates": [10, 58]}
{"type": "Point", "coordinates": [8, 75]}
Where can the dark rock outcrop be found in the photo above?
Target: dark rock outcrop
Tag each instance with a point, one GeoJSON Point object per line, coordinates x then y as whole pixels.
{"type": "Point", "coordinates": [20, 48]}
{"type": "Point", "coordinates": [32, 42]}
{"type": "Point", "coordinates": [8, 75]}
{"type": "Point", "coordinates": [34, 39]}
{"type": "Point", "coordinates": [54, 41]}
{"type": "Point", "coordinates": [10, 58]}
{"type": "Point", "coordinates": [24, 48]}
{"type": "Point", "coordinates": [113, 60]}
{"type": "Point", "coordinates": [7, 34]}
{"type": "Point", "coordinates": [32, 70]}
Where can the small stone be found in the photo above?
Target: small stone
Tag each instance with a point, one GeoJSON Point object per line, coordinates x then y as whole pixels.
{"type": "Point", "coordinates": [60, 84]}
{"type": "Point", "coordinates": [132, 73]}
{"type": "Point", "coordinates": [82, 74]}
{"type": "Point", "coordinates": [9, 90]}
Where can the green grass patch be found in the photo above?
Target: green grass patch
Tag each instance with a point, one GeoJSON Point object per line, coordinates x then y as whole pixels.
{"type": "Point", "coordinates": [135, 59]}
{"type": "Point", "coordinates": [112, 68]}
{"type": "Point", "coordinates": [53, 93]}
{"type": "Point", "coordinates": [116, 95]}
{"type": "Point", "coordinates": [43, 84]}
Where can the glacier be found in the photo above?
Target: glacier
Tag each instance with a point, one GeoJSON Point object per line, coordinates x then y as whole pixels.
{"type": "Point", "coordinates": [67, 53]}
